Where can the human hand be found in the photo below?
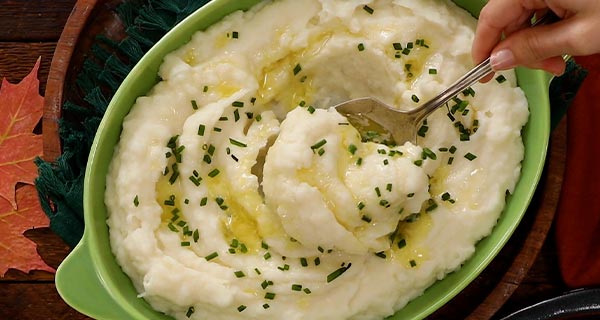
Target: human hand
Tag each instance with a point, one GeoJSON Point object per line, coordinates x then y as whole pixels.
{"type": "Point", "coordinates": [540, 47]}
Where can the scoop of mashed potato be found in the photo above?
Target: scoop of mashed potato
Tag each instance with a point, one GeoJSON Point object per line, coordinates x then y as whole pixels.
{"type": "Point", "coordinates": [236, 191]}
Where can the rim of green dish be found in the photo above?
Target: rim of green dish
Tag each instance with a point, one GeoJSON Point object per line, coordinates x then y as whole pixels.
{"type": "Point", "coordinates": [441, 291]}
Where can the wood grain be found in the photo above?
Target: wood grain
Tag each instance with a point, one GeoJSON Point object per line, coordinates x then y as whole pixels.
{"type": "Point", "coordinates": [34, 301]}
{"type": "Point", "coordinates": [28, 21]}
{"type": "Point", "coordinates": [18, 58]}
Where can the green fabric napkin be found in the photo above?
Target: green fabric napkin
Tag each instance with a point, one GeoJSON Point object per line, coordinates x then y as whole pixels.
{"type": "Point", "coordinates": [60, 183]}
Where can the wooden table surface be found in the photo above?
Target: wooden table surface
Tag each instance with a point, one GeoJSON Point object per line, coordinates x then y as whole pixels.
{"type": "Point", "coordinates": [30, 29]}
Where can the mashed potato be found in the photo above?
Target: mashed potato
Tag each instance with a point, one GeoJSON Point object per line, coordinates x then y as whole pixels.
{"type": "Point", "coordinates": [237, 192]}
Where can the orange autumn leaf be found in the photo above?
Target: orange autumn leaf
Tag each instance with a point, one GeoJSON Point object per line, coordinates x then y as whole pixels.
{"type": "Point", "coordinates": [16, 250]}
{"type": "Point", "coordinates": [21, 108]}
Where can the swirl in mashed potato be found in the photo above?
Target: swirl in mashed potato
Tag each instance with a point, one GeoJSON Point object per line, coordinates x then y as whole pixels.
{"type": "Point", "coordinates": [237, 192]}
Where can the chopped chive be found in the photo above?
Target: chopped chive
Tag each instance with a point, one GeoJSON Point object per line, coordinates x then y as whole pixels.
{"type": "Point", "coordinates": [172, 227]}
{"type": "Point", "coordinates": [406, 51]}
{"type": "Point", "coordinates": [258, 118]}
{"type": "Point", "coordinates": [270, 295]}
{"type": "Point", "coordinates": [196, 235]}
{"type": "Point", "coordinates": [311, 109]}
{"type": "Point", "coordinates": [211, 150]}
{"type": "Point", "coordinates": [321, 250]}
{"type": "Point", "coordinates": [415, 98]}
{"type": "Point", "coordinates": [235, 34]}
{"type": "Point", "coordinates": [422, 131]}
{"type": "Point", "coordinates": [185, 243]}
{"type": "Point", "coordinates": [446, 196]}
{"type": "Point", "coordinates": [136, 201]}
{"type": "Point", "coordinates": [190, 311]}
{"type": "Point", "coordinates": [413, 263]}
{"type": "Point", "coordinates": [381, 254]}
{"type": "Point", "coordinates": [427, 153]}
{"type": "Point", "coordinates": [207, 159]}
{"type": "Point", "coordinates": [257, 271]}
{"type": "Point", "coordinates": [195, 181]}
{"type": "Point", "coordinates": [450, 160]}
{"type": "Point", "coordinates": [397, 46]}
{"type": "Point", "coordinates": [266, 306]}
{"type": "Point", "coordinates": [413, 217]}
{"type": "Point", "coordinates": [296, 287]}
{"type": "Point", "coordinates": [366, 218]}
{"type": "Point", "coordinates": [303, 262]}
{"type": "Point", "coordinates": [432, 71]}
{"type": "Point", "coordinates": [431, 205]}
{"type": "Point", "coordinates": [321, 152]}
{"type": "Point", "coordinates": [470, 156]}
{"type": "Point", "coordinates": [237, 143]}
{"type": "Point", "coordinates": [378, 192]}
{"type": "Point", "coordinates": [307, 290]}
{"type": "Point", "coordinates": [241, 308]}
{"type": "Point", "coordinates": [401, 243]}
{"type": "Point", "coordinates": [409, 45]}
{"type": "Point", "coordinates": [352, 149]}
{"type": "Point", "coordinates": [194, 105]}
{"type": "Point", "coordinates": [361, 205]}
{"type": "Point", "coordinates": [237, 104]}
{"type": "Point", "coordinates": [384, 203]}
{"type": "Point", "coordinates": [359, 161]}
{"type": "Point", "coordinates": [368, 9]}
{"type": "Point", "coordinates": [236, 115]}
{"type": "Point", "coordinates": [223, 119]}
{"type": "Point", "coordinates": [297, 69]}
{"type": "Point", "coordinates": [410, 195]}
{"type": "Point", "coordinates": [211, 256]}
{"type": "Point", "coordinates": [171, 201]}
{"type": "Point", "coordinates": [217, 129]}
{"type": "Point", "coordinates": [335, 274]}
{"type": "Point", "coordinates": [361, 47]}
{"type": "Point", "coordinates": [239, 274]}
{"type": "Point", "coordinates": [418, 163]}
{"type": "Point", "coordinates": [452, 149]}
{"type": "Point", "coordinates": [203, 201]}
{"type": "Point", "coordinates": [264, 245]}
{"type": "Point", "coordinates": [388, 187]}
{"type": "Point", "coordinates": [319, 144]}
{"type": "Point", "coordinates": [213, 173]}
{"type": "Point", "coordinates": [500, 79]}
{"type": "Point", "coordinates": [201, 129]}
{"type": "Point", "coordinates": [407, 66]}
{"type": "Point", "coordinates": [205, 89]}
{"type": "Point", "coordinates": [267, 256]}
{"type": "Point", "coordinates": [264, 284]}
{"type": "Point", "coordinates": [317, 261]}
{"type": "Point", "coordinates": [243, 248]}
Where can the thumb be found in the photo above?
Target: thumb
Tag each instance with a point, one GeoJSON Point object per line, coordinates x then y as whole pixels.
{"type": "Point", "coordinates": [532, 46]}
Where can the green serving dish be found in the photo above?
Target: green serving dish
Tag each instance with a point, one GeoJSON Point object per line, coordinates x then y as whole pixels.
{"type": "Point", "coordinates": [91, 281]}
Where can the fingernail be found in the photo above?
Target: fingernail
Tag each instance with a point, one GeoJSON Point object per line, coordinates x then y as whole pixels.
{"type": "Point", "coordinates": [503, 59]}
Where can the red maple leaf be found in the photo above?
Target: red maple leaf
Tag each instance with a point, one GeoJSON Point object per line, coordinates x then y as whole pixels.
{"type": "Point", "coordinates": [17, 251]}
{"type": "Point", "coordinates": [21, 108]}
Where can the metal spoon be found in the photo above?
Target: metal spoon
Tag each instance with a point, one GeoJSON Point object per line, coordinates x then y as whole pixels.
{"type": "Point", "coordinates": [375, 118]}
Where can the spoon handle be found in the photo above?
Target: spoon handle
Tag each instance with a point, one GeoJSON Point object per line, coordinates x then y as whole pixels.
{"type": "Point", "coordinates": [471, 77]}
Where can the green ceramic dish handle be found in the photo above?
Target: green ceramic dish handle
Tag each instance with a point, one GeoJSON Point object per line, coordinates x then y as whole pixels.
{"type": "Point", "coordinates": [80, 280]}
